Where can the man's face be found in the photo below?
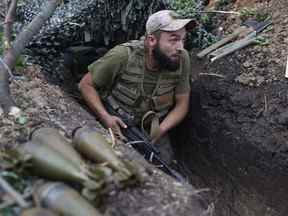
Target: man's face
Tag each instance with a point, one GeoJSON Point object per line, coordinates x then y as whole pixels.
{"type": "Point", "coordinates": [168, 49]}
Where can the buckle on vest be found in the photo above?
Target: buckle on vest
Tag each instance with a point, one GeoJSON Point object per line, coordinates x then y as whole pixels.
{"type": "Point", "coordinates": [119, 110]}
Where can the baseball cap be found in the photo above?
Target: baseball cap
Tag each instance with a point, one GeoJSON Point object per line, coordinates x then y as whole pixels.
{"type": "Point", "coordinates": [168, 20]}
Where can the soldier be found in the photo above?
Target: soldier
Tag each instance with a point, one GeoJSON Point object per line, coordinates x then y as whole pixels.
{"type": "Point", "coordinates": [148, 79]}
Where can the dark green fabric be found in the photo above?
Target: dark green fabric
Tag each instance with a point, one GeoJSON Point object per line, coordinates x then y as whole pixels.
{"type": "Point", "coordinates": [105, 70]}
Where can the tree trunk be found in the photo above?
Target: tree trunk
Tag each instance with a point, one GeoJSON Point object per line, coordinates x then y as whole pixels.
{"type": "Point", "coordinates": [13, 53]}
{"type": "Point", "coordinates": [8, 24]}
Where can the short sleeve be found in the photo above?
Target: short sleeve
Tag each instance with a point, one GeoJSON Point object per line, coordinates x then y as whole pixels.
{"type": "Point", "coordinates": [105, 69]}
{"type": "Point", "coordinates": [184, 85]}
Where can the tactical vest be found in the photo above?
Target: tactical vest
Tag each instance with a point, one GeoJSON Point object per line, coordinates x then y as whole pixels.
{"type": "Point", "coordinates": [128, 91]}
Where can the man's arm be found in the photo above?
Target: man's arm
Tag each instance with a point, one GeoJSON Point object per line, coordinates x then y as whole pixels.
{"type": "Point", "coordinates": [175, 116]}
{"type": "Point", "coordinates": [93, 100]}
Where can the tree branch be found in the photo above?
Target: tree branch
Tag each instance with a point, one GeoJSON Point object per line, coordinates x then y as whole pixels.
{"type": "Point", "coordinates": [13, 193]}
{"type": "Point", "coordinates": [8, 24]}
{"type": "Point", "coordinates": [2, 13]}
{"type": "Point", "coordinates": [2, 9]}
{"type": "Point", "coordinates": [10, 57]}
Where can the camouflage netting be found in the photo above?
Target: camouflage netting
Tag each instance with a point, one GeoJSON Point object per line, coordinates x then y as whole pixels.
{"type": "Point", "coordinates": [95, 21]}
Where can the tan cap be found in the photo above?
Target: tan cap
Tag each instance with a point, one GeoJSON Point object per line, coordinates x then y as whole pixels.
{"type": "Point", "coordinates": [167, 20]}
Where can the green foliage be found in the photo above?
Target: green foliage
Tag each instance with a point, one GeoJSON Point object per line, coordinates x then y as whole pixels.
{"type": "Point", "coordinates": [185, 8]}
{"type": "Point", "coordinates": [7, 212]}
{"type": "Point", "coordinates": [15, 180]}
{"type": "Point", "coordinates": [261, 16]}
{"type": "Point", "coordinates": [258, 15]}
{"type": "Point", "coordinates": [20, 63]}
{"type": "Point", "coordinates": [246, 13]}
{"type": "Point", "coordinates": [205, 38]}
{"type": "Point", "coordinates": [205, 19]}
{"type": "Point", "coordinates": [17, 183]}
{"type": "Point", "coordinates": [189, 8]}
{"type": "Point", "coordinates": [223, 3]}
{"type": "Point", "coordinates": [262, 41]}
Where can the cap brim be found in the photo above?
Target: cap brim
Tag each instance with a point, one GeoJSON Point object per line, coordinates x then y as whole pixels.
{"type": "Point", "coordinates": [189, 24]}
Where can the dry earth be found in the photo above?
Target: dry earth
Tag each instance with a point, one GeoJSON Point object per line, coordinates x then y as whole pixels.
{"type": "Point", "coordinates": [46, 105]}
{"type": "Point", "coordinates": [238, 121]}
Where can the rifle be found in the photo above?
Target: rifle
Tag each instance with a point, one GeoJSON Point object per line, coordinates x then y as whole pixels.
{"type": "Point", "coordinates": [141, 142]}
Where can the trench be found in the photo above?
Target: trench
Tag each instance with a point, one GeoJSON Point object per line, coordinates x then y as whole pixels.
{"type": "Point", "coordinates": [224, 144]}
{"type": "Point", "coordinates": [213, 152]}
{"type": "Point", "coordinates": [245, 173]}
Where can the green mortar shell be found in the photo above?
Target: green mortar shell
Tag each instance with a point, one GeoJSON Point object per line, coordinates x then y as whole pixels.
{"type": "Point", "coordinates": [52, 137]}
{"type": "Point", "coordinates": [49, 163]}
{"type": "Point", "coordinates": [64, 200]}
{"type": "Point", "coordinates": [95, 147]}
{"type": "Point", "coordinates": [37, 212]}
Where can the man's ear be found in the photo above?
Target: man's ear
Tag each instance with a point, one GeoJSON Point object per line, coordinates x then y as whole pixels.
{"type": "Point", "coordinates": [151, 40]}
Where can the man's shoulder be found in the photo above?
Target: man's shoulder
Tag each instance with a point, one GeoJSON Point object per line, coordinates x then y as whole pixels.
{"type": "Point", "coordinates": [123, 50]}
{"type": "Point", "coordinates": [116, 56]}
{"type": "Point", "coordinates": [119, 50]}
{"type": "Point", "coordinates": [118, 53]}
{"type": "Point", "coordinates": [134, 44]}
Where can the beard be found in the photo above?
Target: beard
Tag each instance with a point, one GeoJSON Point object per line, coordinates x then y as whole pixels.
{"type": "Point", "coordinates": [164, 61]}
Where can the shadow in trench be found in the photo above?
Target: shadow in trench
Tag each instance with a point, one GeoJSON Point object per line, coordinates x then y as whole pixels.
{"type": "Point", "coordinates": [192, 142]}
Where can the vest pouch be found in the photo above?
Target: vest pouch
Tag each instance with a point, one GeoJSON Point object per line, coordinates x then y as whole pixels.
{"type": "Point", "coordinates": [170, 78]}
{"type": "Point", "coordinates": [166, 88]}
{"type": "Point", "coordinates": [126, 95]}
{"type": "Point", "coordinates": [168, 83]}
{"type": "Point", "coordinates": [163, 102]}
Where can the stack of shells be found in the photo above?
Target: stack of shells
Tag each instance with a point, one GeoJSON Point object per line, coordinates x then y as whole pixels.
{"type": "Point", "coordinates": [51, 156]}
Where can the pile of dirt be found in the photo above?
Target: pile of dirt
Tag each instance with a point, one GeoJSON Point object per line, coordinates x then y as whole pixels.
{"type": "Point", "coordinates": [238, 121]}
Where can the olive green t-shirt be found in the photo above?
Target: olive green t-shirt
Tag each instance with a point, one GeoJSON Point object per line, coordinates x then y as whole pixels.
{"type": "Point", "coordinates": [105, 70]}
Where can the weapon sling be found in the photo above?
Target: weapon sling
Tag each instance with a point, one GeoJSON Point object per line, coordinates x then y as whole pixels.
{"type": "Point", "coordinates": [141, 142]}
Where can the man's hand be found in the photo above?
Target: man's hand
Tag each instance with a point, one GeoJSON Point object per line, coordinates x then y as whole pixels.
{"type": "Point", "coordinates": [160, 133]}
{"type": "Point", "coordinates": [115, 123]}
{"type": "Point", "coordinates": [93, 100]}
{"type": "Point", "coordinates": [175, 116]}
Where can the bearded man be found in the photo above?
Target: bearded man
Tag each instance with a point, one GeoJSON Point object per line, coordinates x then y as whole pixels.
{"type": "Point", "coordinates": [148, 79]}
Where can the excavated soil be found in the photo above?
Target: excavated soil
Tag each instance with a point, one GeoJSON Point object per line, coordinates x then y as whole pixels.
{"type": "Point", "coordinates": [237, 126]}
{"type": "Point", "coordinates": [47, 105]}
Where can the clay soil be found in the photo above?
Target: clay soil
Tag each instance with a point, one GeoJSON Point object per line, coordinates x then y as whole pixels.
{"type": "Point", "coordinates": [238, 121]}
